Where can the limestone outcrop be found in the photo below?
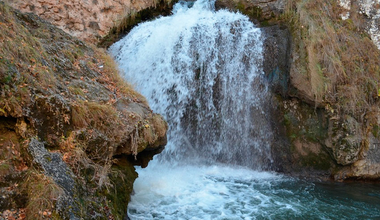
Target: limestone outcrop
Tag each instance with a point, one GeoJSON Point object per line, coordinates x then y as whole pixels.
{"type": "Point", "coordinates": [257, 9]}
{"type": "Point", "coordinates": [71, 128]}
{"type": "Point", "coordinates": [88, 20]}
{"type": "Point", "coordinates": [335, 66]}
{"type": "Point", "coordinates": [371, 9]}
{"type": "Point", "coordinates": [325, 103]}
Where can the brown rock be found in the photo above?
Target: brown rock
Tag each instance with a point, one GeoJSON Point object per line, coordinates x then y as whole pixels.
{"type": "Point", "coordinates": [87, 20]}
{"type": "Point", "coordinates": [263, 9]}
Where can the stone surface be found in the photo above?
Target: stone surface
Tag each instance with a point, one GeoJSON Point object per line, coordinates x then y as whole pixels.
{"type": "Point", "coordinates": [68, 121]}
{"type": "Point", "coordinates": [348, 149]}
{"type": "Point", "coordinates": [300, 131]}
{"type": "Point", "coordinates": [369, 8]}
{"type": "Point", "coordinates": [89, 20]}
{"type": "Point", "coordinates": [77, 93]}
{"type": "Point", "coordinates": [313, 138]}
{"type": "Point", "coordinates": [277, 50]}
{"type": "Point", "coordinates": [260, 9]}
{"type": "Point", "coordinates": [55, 167]}
{"type": "Point", "coordinates": [345, 139]}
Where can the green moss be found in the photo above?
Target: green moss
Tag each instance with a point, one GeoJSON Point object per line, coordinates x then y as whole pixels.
{"type": "Point", "coordinates": [287, 120]}
{"type": "Point", "coordinates": [4, 167]}
{"type": "Point", "coordinates": [48, 158]}
{"type": "Point", "coordinates": [266, 23]}
{"type": "Point", "coordinates": [123, 177]}
{"type": "Point", "coordinates": [320, 161]}
{"type": "Point", "coordinates": [305, 122]}
{"type": "Point", "coordinates": [376, 131]}
{"type": "Point", "coordinates": [240, 6]}
{"type": "Point", "coordinates": [293, 136]}
{"type": "Point", "coordinates": [7, 79]}
{"type": "Point", "coordinates": [253, 12]}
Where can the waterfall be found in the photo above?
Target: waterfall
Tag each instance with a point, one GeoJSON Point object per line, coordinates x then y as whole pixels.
{"type": "Point", "coordinates": [202, 70]}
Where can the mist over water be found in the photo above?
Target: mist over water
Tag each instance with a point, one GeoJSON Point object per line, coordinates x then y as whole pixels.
{"type": "Point", "coordinates": [202, 70]}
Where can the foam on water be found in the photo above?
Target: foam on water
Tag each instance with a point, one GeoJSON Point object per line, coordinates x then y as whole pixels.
{"type": "Point", "coordinates": [220, 192]}
{"type": "Point", "coordinates": [196, 192]}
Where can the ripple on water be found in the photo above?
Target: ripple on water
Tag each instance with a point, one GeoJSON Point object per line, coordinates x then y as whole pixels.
{"type": "Point", "coordinates": [220, 192]}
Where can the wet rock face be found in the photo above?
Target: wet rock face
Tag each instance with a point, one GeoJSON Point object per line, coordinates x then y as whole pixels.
{"type": "Point", "coordinates": [349, 148]}
{"type": "Point", "coordinates": [88, 20]}
{"type": "Point", "coordinates": [277, 50]}
{"type": "Point", "coordinates": [300, 131]}
{"type": "Point", "coordinates": [345, 140]}
{"type": "Point", "coordinates": [260, 9]}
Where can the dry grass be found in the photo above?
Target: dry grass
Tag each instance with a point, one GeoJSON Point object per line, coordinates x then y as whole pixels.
{"type": "Point", "coordinates": [37, 61]}
{"type": "Point", "coordinates": [67, 144]}
{"type": "Point", "coordinates": [43, 193]}
{"type": "Point", "coordinates": [80, 162]}
{"type": "Point", "coordinates": [20, 64]}
{"type": "Point", "coordinates": [340, 60]}
{"type": "Point", "coordinates": [160, 125]}
{"type": "Point", "coordinates": [97, 115]}
{"type": "Point", "coordinates": [4, 168]}
{"type": "Point", "coordinates": [113, 80]}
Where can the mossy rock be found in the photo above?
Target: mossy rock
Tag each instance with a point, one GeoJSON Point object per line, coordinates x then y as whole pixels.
{"type": "Point", "coordinates": [62, 93]}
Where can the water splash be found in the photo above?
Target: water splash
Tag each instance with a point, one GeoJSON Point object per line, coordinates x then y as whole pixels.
{"type": "Point", "coordinates": [201, 69]}
{"type": "Point", "coordinates": [221, 193]}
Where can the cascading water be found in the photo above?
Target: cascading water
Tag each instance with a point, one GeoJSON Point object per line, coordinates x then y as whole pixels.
{"type": "Point", "coordinates": [201, 69]}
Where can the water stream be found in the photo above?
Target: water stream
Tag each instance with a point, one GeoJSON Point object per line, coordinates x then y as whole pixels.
{"type": "Point", "coordinates": [202, 70]}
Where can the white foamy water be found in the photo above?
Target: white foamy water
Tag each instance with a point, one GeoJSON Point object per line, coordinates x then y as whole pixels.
{"type": "Point", "coordinates": [202, 70]}
{"type": "Point", "coordinates": [199, 192]}
{"type": "Point", "coordinates": [234, 193]}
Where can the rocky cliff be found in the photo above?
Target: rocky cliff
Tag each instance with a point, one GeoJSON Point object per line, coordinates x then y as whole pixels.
{"type": "Point", "coordinates": [70, 128]}
{"type": "Point", "coordinates": [88, 20]}
{"type": "Point", "coordinates": [324, 66]}
{"type": "Point", "coordinates": [371, 11]}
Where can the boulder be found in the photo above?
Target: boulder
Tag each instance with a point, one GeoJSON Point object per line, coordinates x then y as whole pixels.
{"type": "Point", "coordinates": [71, 129]}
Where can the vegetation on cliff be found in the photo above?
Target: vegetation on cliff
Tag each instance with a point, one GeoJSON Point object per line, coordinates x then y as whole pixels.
{"type": "Point", "coordinates": [336, 57]}
{"type": "Point", "coordinates": [70, 127]}
{"type": "Point", "coordinates": [333, 68]}
{"type": "Point", "coordinates": [336, 67]}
